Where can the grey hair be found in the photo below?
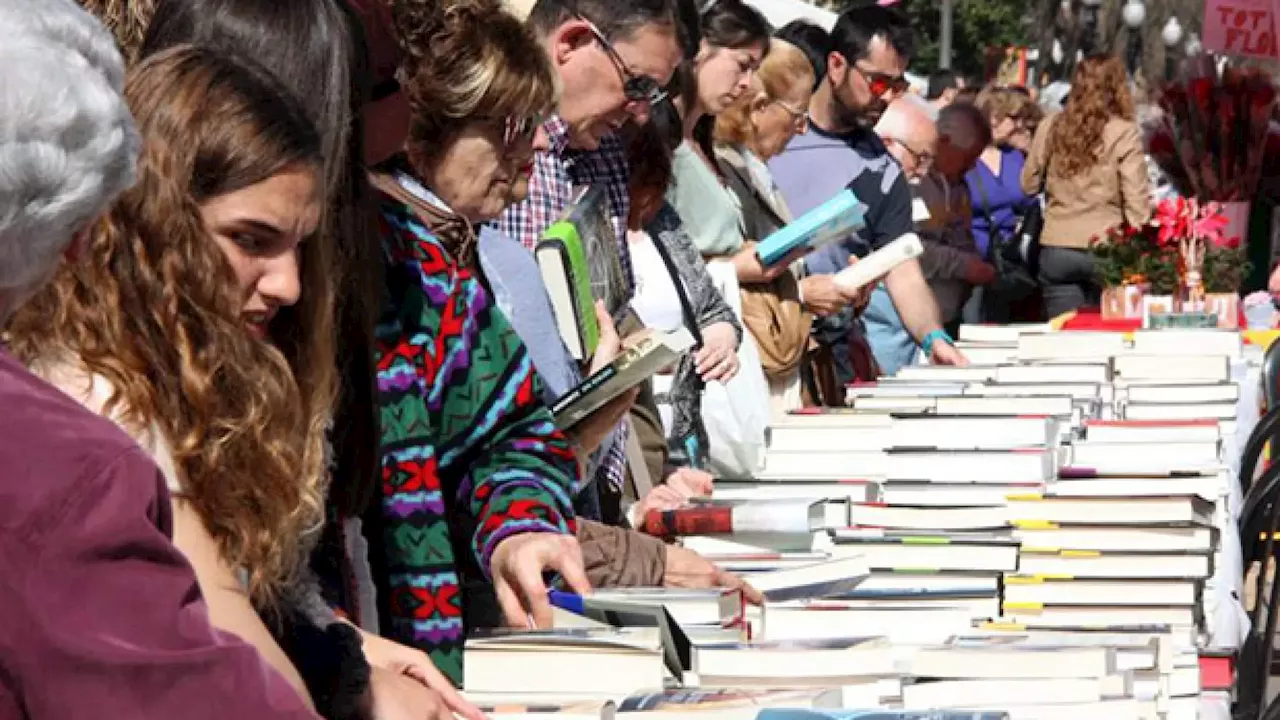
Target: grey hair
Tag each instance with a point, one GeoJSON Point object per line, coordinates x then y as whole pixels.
{"type": "Point", "coordinates": [68, 144]}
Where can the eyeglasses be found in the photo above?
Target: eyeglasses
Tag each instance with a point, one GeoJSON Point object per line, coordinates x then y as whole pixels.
{"type": "Point", "coordinates": [922, 160]}
{"type": "Point", "coordinates": [881, 84]}
{"type": "Point", "coordinates": [636, 88]}
{"type": "Point", "coordinates": [799, 117]}
{"type": "Point", "coordinates": [520, 130]}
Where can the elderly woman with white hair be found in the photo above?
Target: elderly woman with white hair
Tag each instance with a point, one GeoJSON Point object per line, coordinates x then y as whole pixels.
{"type": "Point", "coordinates": [103, 614]}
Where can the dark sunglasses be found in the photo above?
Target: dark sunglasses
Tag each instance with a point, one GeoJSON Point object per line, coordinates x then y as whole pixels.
{"type": "Point", "coordinates": [881, 84]}
{"type": "Point", "coordinates": [636, 88]}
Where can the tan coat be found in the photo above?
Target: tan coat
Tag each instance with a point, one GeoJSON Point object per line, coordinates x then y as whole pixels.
{"type": "Point", "coordinates": [1115, 190]}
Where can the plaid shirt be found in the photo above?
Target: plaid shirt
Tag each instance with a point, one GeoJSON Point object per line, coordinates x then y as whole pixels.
{"type": "Point", "coordinates": [557, 174]}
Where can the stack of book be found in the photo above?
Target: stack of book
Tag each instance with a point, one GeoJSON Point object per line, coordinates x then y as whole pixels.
{"type": "Point", "coordinates": [1026, 537]}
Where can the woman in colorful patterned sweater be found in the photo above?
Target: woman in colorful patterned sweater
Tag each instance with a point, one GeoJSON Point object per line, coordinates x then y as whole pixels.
{"type": "Point", "coordinates": [477, 480]}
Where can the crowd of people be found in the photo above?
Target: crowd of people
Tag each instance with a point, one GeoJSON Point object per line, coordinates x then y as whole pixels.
{"type": "Point", "coordinates": [277, 358]}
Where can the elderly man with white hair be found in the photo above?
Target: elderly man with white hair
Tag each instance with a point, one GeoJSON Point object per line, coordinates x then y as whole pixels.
{"type": "Point", "coordinates": [103, 617]}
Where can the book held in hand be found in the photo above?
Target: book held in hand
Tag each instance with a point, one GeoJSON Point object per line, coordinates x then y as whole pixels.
{"type": "Point", "coordinates": [879, 263]}
{"type": "Point", "coordinates": [651, 351]}
{"type": "Point", "coordinates": [580, 263]}
{"type": "Point", "coordinates": [832, 221]}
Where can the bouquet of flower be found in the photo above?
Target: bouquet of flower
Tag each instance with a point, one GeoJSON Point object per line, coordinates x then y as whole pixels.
{"type": "Point", "coordinates": [1196, 231]}
{"type": "Point", "coordinates": [1213, 138]}
{"type": "Point", "coordinates": [1128, 255]}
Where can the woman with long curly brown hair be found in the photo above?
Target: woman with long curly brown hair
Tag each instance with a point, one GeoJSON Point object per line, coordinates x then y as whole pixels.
{"type": "Point", "coordinates": [1091, 166]}
{"type": "Point", "coordinates": [167, 326]}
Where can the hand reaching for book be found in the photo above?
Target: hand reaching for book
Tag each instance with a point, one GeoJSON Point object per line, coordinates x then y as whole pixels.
{"type": "Point", "coordinates": [691, 483]}
{"type": "Point", "coordinates": [591, 433]}
{"type": "Point", "coordinates": [517, 568]}
{"type": "Point", "coordinates": [408, 664]}
{"type": "Point", "coordinates": [717, 359]}
{"type": "Point", "coordinates": [687, 569]}
{"type": "Point", "coordinates": [751, 270]}
{"type": "Point", "coordinates": [396, 696]}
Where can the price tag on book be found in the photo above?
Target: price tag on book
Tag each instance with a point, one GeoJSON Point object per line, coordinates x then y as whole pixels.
{"type": "Point", "coordinates": [1240, 27]}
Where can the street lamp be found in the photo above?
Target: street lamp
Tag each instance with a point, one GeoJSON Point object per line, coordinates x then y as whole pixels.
{"type": "Point", "coordinates": [1134, 14]}
{"type": "Point", "coordinates": [1193, 46]}
{"type": "Point", "coordinates": [1172, 35]}
{"type": "Point", "coordinates": [1089, 26]}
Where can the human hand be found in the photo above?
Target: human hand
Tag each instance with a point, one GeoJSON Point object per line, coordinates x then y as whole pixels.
{"type": "Point", "coordinates": [687, 569]}
{"type": "Point", "coordinates": [609, 344]}
{"type": "Point", "coordinates": [821, 294]}
{"type": "Point", "coordinates": [977, 272]}
{"type": "Point", "coordinates": [717, 359]}
{"type": "Point", "coordinates": [517, 566]}
{"type": "Point", "coordinates": [751, 270]}
{"type": "Point", "coordinates": [944, 353]}
{"type": "Point", "coordinates": [661, 497]}
{"type": "Point", "coordinates": [861, 297]}
{"type": "Point", "coordinates": [392, 657]}
{"type": "Point", "coordinates": [399, 697]}
{"type": "Point", "coordinates": [1273, 284]}
{"type": "Point", "coordinates": [691, 483]}
{"type": "Point", "coordinates": [591, 431]}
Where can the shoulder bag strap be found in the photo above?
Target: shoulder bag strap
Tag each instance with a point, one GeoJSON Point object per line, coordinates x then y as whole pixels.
{"type": "Point", "coordinates": [992, 230]}
{"type": "Point", "coordinates": [686, 307]}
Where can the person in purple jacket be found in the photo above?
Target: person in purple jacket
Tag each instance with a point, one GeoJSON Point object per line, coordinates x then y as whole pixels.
{"type": "Point", "coordinates": [103, 617]}
{"type": "Point", "coordinates": [995, 192]}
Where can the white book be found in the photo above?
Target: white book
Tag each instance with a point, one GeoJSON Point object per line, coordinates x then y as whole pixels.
{"type": "Point", "coordinates": [876, 265]}
{"type": "Point", "coordinates": [1183, 394]}
{"type": "Point", "coordinates": [1001, 334]}
{"type": "Point", "coordinates": [1187, 411]}
{"type": "Point", "coordinates": [1075, 390]}
{"type": "Point", "coordinates": [1000, 693]}
{"type": "Point", "coordinates": [1118, 539]}
{"type": "Point", "coordinates": [1056, 406]}
{"type": "Point", "coordinates": [1189, 342]}
{"type": "Point", "coordinates": [1146, 458]}
{"type": "Point", "coordinates": [946, 373]}
{"type": "Point", "coordinates": [1025, 589]}
{"type": "Point", "coordinates": [1028, 465]}
{"type": "Point", "coordinates": [1070, 345]}
{"type": "Point", "coordinates": [1122, 431]}
{"type": "Point", "coordinates": [1205, 368]}
{"type": "Point", "coordinates": [1056, 373]}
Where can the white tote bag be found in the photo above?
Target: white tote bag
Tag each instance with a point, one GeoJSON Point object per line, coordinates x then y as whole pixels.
{"type": "Point", "coordinates": [736, 414]}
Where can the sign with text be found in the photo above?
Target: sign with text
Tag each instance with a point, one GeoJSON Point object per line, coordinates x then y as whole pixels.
{"type": "Point", "coordinates": [1240, 27]}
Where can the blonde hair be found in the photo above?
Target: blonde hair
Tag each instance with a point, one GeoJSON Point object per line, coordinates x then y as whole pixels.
{"type": "Point", "coordinates": [998, 103]}
{"type": "Point", "coordinates": [468, 60]}
{"type": "Point", "coordinates": [152, 308]}
{"type": "Point", "coordinates": [784, 68]}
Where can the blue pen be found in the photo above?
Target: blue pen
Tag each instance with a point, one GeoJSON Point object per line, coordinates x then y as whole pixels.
{"type": "Point", "coordinates": [572, 602]}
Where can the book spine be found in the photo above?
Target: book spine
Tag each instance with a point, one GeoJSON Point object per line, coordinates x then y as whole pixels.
{"type": "Point", "coordinates": [689, 521]}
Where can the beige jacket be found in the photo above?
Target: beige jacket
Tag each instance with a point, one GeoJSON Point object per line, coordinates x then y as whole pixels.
{"type": "Point", "coordinates": [1079, 208]}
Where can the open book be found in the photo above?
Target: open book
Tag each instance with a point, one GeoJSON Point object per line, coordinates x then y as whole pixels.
{"type": "Point", "coordinates": [580, 263]}
{"type": "Point", "coordinates": [832, 221]}
{"type": "Point", "coordinates": [651, 350]}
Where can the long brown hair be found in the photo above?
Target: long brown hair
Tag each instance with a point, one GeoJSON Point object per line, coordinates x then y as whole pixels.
{"type": "Point", "coordinates": [1099, 92]}
{"type": "Point", "coordinates": [152, 309]}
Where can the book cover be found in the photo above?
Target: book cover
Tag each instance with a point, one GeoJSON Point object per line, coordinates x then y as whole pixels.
{"type": "Point", "coordinates": [651, 351]}
{"type": "Point", "coordinates": [832, 221]}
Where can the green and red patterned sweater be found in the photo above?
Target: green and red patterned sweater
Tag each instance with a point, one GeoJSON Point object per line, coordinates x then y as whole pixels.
{"type": "Point", "coordinates": [467, 447]}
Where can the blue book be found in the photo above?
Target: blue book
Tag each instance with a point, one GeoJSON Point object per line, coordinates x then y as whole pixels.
{"type": "Point", "coordinates": [832, 221]}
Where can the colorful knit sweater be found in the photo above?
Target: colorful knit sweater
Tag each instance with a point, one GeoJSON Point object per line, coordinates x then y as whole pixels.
{"type": "Point", "coordinates": [467, 444]}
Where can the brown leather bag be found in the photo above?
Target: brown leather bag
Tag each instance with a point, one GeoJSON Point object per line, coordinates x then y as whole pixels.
{"type": "Point", "coordinates": [778, 323]}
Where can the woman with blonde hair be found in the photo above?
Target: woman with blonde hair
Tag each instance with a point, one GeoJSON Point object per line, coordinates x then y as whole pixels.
{"type": "Point", "coordinates": [166, 327]}
{"type": "Point", "coordinates": [1090, 164]}
{"type": "Point", "coordinates": [778, 312]}
{"type": "Point", "coordinates": [998, 201]}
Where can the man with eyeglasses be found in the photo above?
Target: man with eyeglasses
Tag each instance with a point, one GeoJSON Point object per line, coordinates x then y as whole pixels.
{"type": "Point", "coordinates": [951, 262]}
{"type": "Point", "coordinates": [870, 49]}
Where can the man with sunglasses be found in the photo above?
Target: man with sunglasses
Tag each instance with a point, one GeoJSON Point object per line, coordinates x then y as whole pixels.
{"type": "Point", "coordinates": [870, 49]}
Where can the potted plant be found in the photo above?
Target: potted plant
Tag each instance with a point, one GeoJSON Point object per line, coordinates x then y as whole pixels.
{"type": "Point", "coordinates": [1225, 268]}
{"type": "Point", "coordinates": [1118, 257]}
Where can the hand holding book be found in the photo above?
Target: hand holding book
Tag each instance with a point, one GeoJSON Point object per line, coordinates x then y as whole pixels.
{"type": "Point", "coordinates": [751, 269]}
{"type": "Point", "coordinates": [591, 432]}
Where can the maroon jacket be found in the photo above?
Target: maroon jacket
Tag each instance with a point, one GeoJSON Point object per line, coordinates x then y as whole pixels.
{"type": "Point", "coordinates": [100, 615]}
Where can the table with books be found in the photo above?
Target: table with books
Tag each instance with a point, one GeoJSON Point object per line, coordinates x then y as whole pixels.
{"type": "Point", "coordinates": [1045, 534]}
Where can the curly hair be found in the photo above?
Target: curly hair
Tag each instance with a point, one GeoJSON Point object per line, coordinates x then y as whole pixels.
{"type": "Point", "coordinates": [126, 19]}
{"type": "Point", "coordinates": [1099, 92]}
{"type": "Point", "coordinates": [152, 309]}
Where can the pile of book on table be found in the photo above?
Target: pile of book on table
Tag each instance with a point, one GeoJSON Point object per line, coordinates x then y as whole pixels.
{"type": "Point", "coordinates": [1027, 537]}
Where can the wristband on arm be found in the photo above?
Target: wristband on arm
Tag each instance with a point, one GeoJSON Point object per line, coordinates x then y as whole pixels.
{"type": "Point", "coordinates": [931, 338]}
